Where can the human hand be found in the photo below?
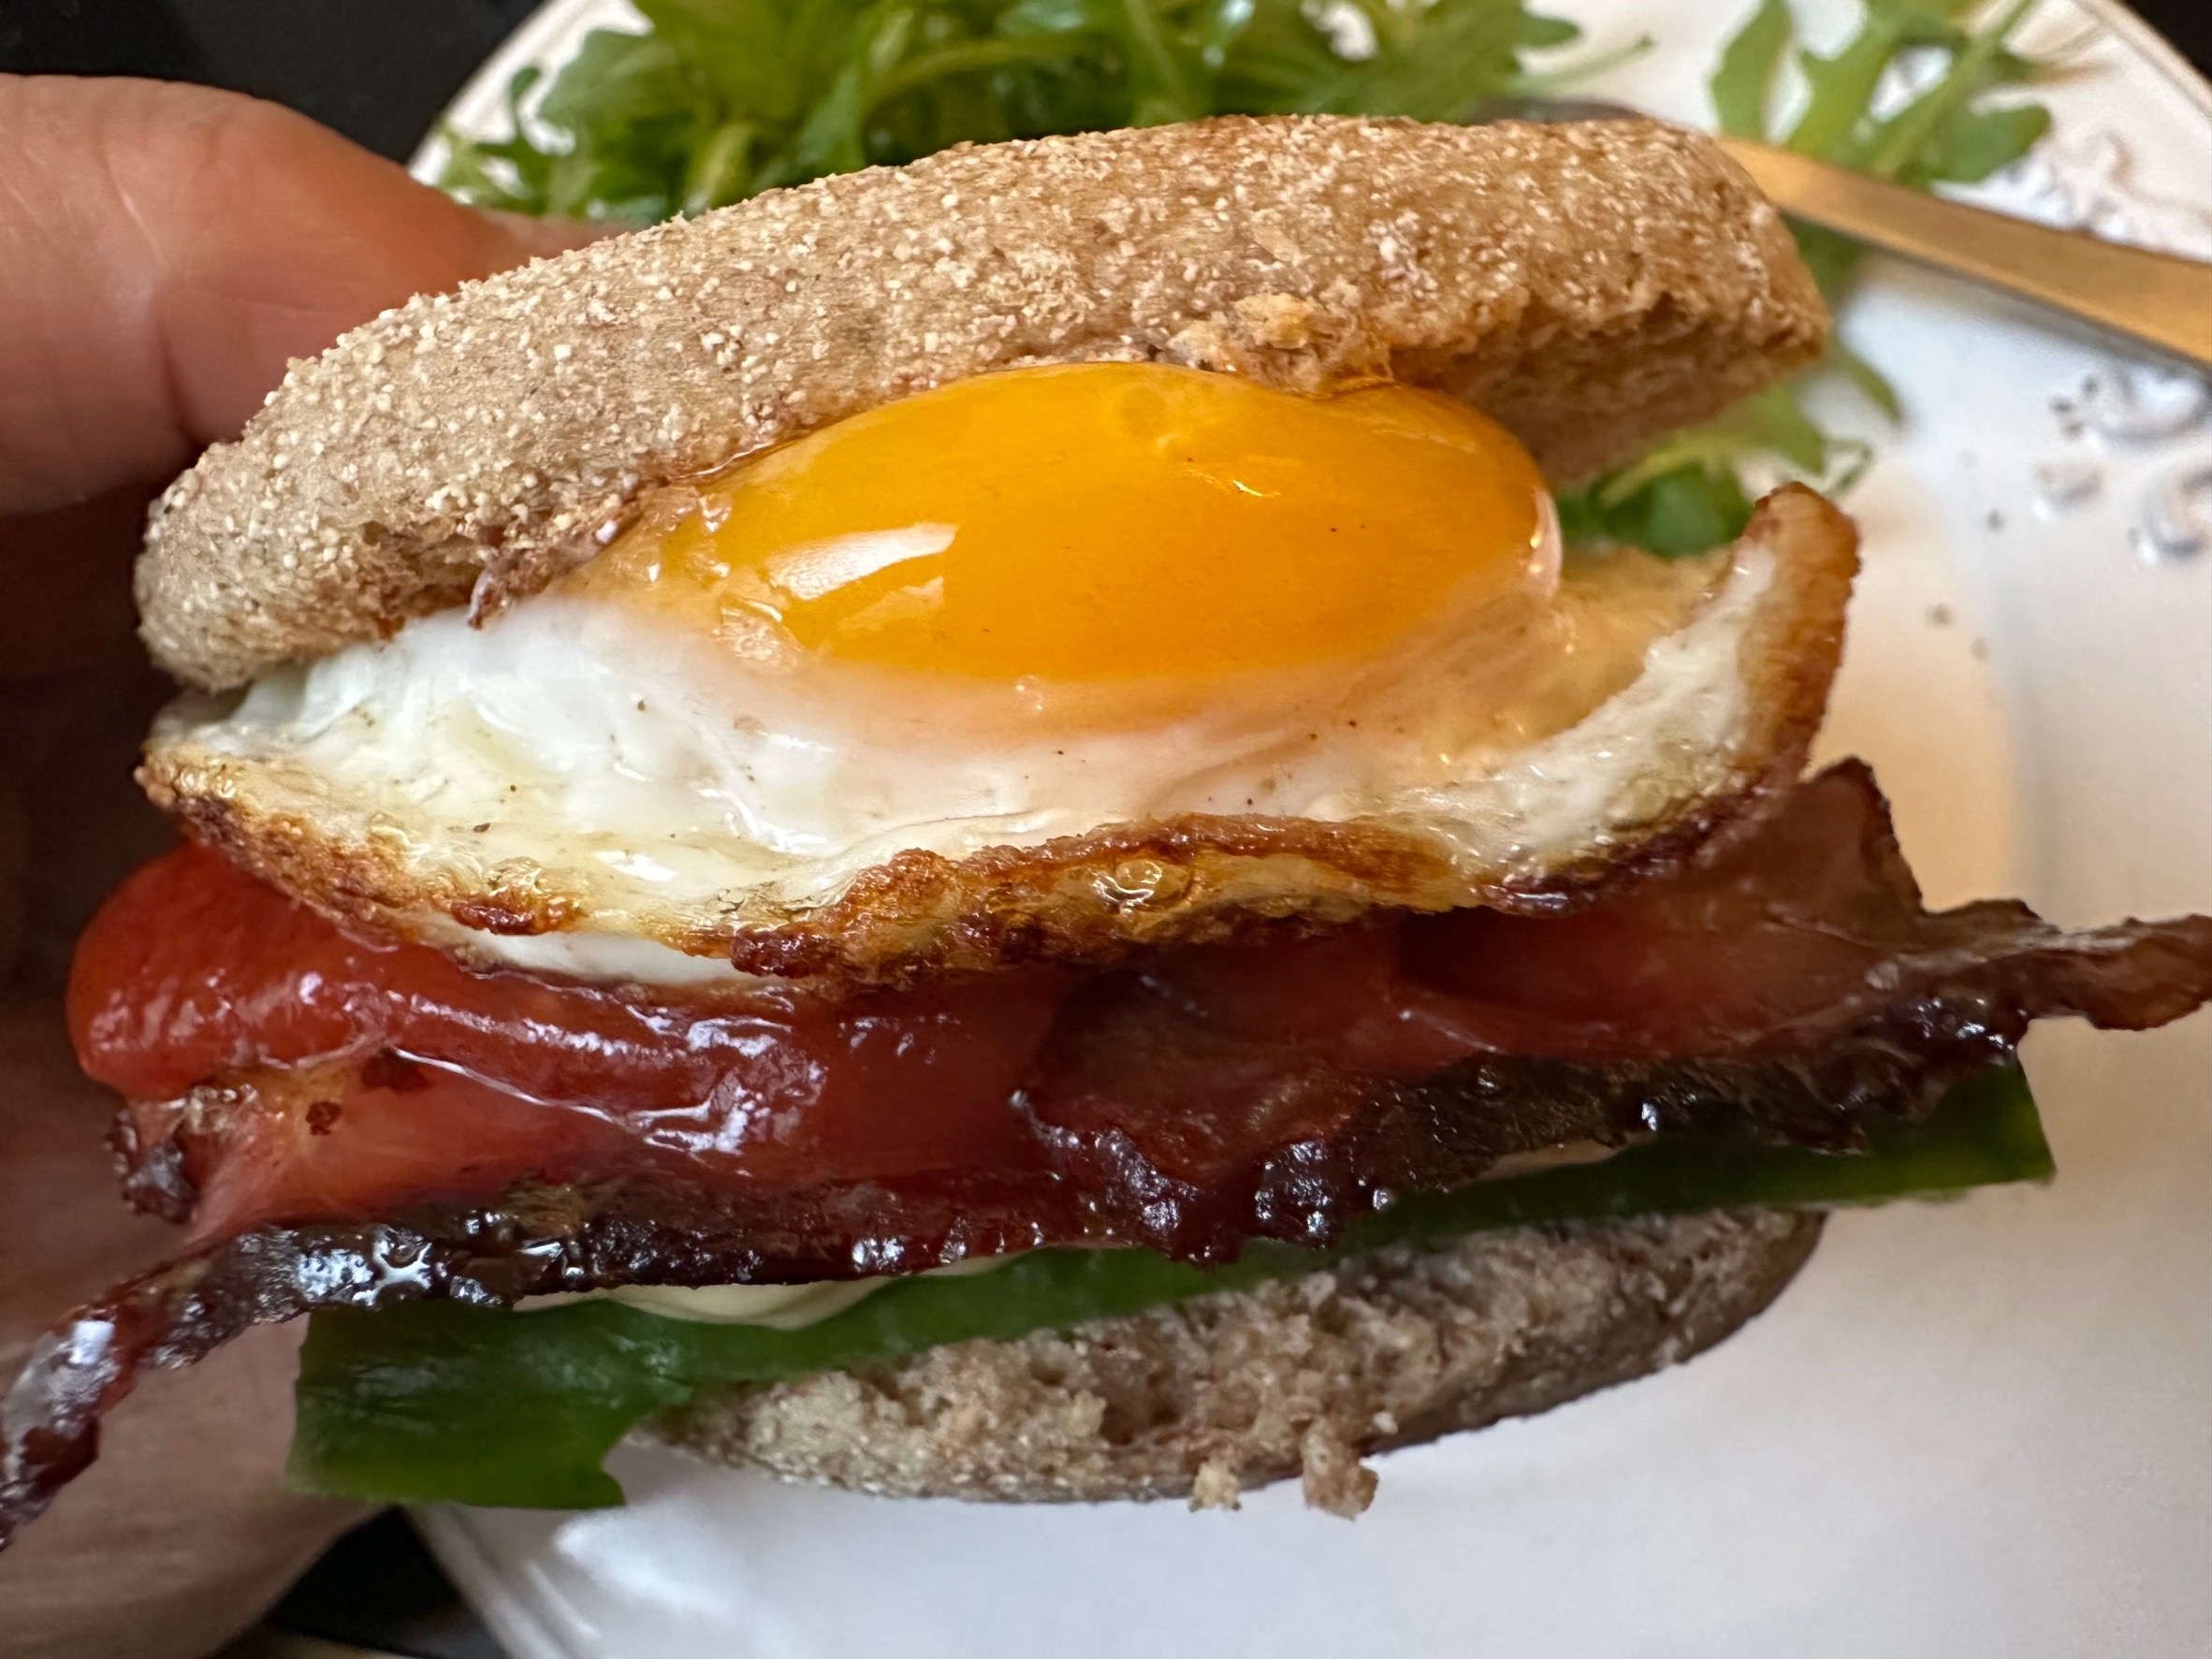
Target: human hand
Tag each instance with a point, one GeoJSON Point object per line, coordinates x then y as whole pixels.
{"type": "Point", "coordinates": [164, 251]}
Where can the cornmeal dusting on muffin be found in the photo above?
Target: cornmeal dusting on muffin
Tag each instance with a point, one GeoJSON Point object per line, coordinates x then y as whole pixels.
{"type": "Point", "coordinates": [1594, 286]}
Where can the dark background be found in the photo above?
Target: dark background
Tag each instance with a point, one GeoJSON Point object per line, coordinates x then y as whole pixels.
{"type": "Point", "coordinates": [379, 71]}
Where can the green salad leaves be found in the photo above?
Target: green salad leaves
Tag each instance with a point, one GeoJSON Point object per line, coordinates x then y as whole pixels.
{"type": "Point", "coordinates": [1961, 123]}
{"type": "Point", "coordinates": [436, 1401]}
{"type": "Point", "coordinates": [728, 97]}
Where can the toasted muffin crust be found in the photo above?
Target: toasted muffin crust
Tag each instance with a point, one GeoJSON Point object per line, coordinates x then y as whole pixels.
{"type": "Point", "coordinates": [1592, 285]}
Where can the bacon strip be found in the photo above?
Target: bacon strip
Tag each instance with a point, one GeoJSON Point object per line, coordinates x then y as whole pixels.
{"type": "Point", "coordinates": [1788, 989]}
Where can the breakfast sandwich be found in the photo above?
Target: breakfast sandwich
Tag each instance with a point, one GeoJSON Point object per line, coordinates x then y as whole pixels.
{"type": "Point", "coordinates": [964, 831]}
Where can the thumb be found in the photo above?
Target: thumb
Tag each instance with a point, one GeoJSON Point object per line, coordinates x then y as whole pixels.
{"type": "Point", "coordinates": [164, 249]}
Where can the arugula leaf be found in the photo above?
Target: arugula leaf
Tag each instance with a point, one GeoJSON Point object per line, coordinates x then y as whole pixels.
{"type": "Point", "coordinates": [727, 97]}
{"type": "Point", "coordinates": [435, 1400]}
{"type": "Point", "coordinates": [1687, 495]}
{"type": "Point", "coordinates": [1433, 63]}
{"type": "Point", "coordinates": [1744, 84]}
{"type": "Point", "coordinates": [1692, 486]}
{"type": "Point", "coordinates": [1672, 512]}
{"type": "Point", "coordinates": [1969, 145]}
{"type": "Point", "coordinates": [1841, 87]}
{"type": "Point", "coordinates": [1899, 143]}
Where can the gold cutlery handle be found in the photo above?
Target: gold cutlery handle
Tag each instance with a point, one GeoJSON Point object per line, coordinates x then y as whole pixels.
{"type": "Point", "coordinates": [2161, 299]}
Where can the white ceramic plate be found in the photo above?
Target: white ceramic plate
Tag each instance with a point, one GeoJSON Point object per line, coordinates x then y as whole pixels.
{"type": "Point", "coordinates": [1983, 1428]}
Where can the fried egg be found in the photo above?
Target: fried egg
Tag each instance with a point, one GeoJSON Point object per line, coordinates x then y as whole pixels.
{"type": "Point", "coordinates": [1050, 661]}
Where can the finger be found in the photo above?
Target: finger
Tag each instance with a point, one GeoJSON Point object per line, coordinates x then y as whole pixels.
{"type": "Point", "coordinates": [183, 1530]}
{"type": "Point", "coordinates": [164, 249]}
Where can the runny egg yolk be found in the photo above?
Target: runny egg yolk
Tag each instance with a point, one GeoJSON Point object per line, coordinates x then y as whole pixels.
{"type": "Point", "coordinates": [1110, 522]}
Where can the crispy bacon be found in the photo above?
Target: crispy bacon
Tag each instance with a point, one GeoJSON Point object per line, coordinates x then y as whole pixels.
{"type": "Point", "coordinates": [354, 1125]}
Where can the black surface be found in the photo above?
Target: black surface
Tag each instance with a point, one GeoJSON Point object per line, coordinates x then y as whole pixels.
{"type": "Point", "coordinates": [377, 1587]}
{"type": "Point", "coordinates": [379, 71]}
{"type": "Point", "coordinates": [2188, 23]}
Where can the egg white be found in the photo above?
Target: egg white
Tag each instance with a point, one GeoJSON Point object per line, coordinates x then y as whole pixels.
{"type": "Point", "coordinates": [664, 785]}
